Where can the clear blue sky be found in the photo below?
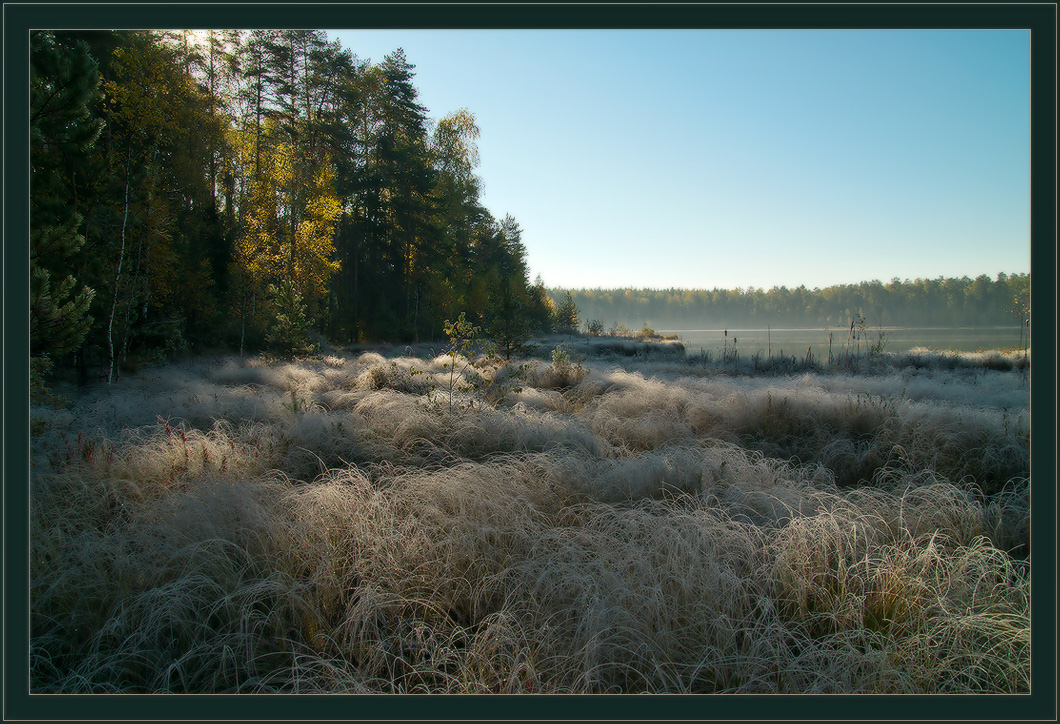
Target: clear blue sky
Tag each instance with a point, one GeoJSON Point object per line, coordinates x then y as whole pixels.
{"type": "Point", "coordinates": [725, 158]}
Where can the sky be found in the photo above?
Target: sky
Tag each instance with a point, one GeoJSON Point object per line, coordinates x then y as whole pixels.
{"type": "Point", "coordinates": [741, 158]}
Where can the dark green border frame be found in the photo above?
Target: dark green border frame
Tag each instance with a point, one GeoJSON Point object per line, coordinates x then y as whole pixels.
{"type": "Point", "coordinates": [1039, 18]}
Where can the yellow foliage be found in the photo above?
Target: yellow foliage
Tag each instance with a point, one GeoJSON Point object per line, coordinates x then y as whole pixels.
{"type": "Point", "coordinates": [267, 252]}
{"type": "Point", "coordinates": [314, 240]}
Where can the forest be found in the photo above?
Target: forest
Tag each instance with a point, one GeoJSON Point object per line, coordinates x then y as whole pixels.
{"type": "Point", "coordinates": [229, 189]}
{"type": "Point", "coordinates": [941, 302]}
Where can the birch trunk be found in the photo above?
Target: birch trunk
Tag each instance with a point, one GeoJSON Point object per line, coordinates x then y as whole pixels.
{"type": "Point", "coordinates": [117, 275]}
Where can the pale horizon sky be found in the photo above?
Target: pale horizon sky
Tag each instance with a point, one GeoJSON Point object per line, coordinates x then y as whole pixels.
{"type": "Point", "coordinates": [736, 158]}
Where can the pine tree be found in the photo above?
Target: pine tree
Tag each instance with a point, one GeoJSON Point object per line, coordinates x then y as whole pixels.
{"type": "Point", "coordinates": [406, 179]}
{"type": "Point", "coordinates": [508, 313]}
{"type": "Point", "coordinates": [567, 320]}
{"type": "Point", "coordinates": [63, 88]}
{"type": "Point", "coordinates": [509, 323]}
{"type": "Point", "coordinates": [290, 329]}
{"type": "Point", "coordinates": [541, 310]}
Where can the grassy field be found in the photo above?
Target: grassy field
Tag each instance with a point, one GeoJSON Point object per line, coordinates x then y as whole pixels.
{"type": "Point", "coordinates": [635, 521]}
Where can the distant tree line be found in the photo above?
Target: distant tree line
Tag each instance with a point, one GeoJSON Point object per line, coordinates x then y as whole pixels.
{"type": "Point", "coordinates": [941, 302]}
{"type": "Point", "coordinates": [233, 189]}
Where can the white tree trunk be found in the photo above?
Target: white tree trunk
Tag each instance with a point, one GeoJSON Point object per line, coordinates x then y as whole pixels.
{"type": "Point", "coordinates": [117, 275]}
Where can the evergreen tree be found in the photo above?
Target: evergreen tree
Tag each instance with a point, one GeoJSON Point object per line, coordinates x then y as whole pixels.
{"type": "Point", "coordinates": [540, 308]}
{"type": "Point", "coordinates": [289, 333]}
{"type": "Point", "coordinates": [63, 88]}
{"type": "Point", "coordinates": [567, 321]}
{"type": "Point", "coordinates": [351, 136]}
{"type": "Point", "coordinates": [406, 179]}
{"type": "Point", "coordinates": [459, 214]}
{"type": "Point", "coordinates": [508, 313]}
{"type": "Point", "coordinates": [509, 323]}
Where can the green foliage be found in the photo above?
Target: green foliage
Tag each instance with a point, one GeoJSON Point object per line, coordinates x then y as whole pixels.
{"type": "Point", "coordinates": [540, 308]}
{"type": "Point", "coordinates": [463, 336]}
{"type": "Point", "coordinates": [295, 404]}
{"type": "Point", "coordinates": [63, 89]}
{"type": "Point", "coordinates": [59, 318]}
{"type": "Point", "coordinates": [63, 86]}
{"type": "Point", "coordinates": [509, 326]}
{"type": "Point", "coordinates": [40, 394]}
{"type": "Point", "coordinates": [475, 367]}
{"type": "Point", "coordinates": [510, 333]}
{"type": "Point", "coordinates": [564, 360]}
{"type": "Point", "coordinates": [878, 342]}
{"type": "Point", "coordinates": [157, 213]}
{"type": "Point", "coordinates": [238, 162]}
{"type": "Point", "coordinates": [566, 319]}
{"type": "Point", "coordinates": [495, 384]}
{"type": "Point", "coordinates": [594, 327]}
{"type": "Point", "coordinates": [566, 366]}
{"type": "Point", "coordinates": [39, 367]}
{"type": "Point", "coordinates": [289, 334]}
{"type": "Point", "coordinates": [561, 356]}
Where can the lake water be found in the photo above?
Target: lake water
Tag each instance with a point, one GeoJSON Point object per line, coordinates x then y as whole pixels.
{"type": "Point", "coordinates": [794, 342]}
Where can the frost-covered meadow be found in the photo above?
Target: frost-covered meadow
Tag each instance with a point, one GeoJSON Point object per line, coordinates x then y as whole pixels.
{"type": "Point", "coordinates": [633, 521]}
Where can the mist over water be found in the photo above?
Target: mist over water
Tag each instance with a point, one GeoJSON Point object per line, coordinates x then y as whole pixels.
{"type": "Point", "coordinates": [770, 342]}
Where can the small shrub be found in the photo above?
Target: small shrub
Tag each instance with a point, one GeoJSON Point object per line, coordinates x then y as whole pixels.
{"type": "Point", "coordinates": [561, 355]}
{"type": "Point", "coordinates": [40, 394]}
{"type": "Point", "coordinates": [566, 370]}
{"type": "Point", "coordinates": [474, 366]}
{"type": "Point", "coordinates": [877, 344]}
{"type": "Point", "coordinates": [289, 334]}
{"type": "Point", "coordinates": [462, 337]}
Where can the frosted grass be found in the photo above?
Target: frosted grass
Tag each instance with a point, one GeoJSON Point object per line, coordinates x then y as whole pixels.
{"type": "Point", "coordinates": [329, 526]}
